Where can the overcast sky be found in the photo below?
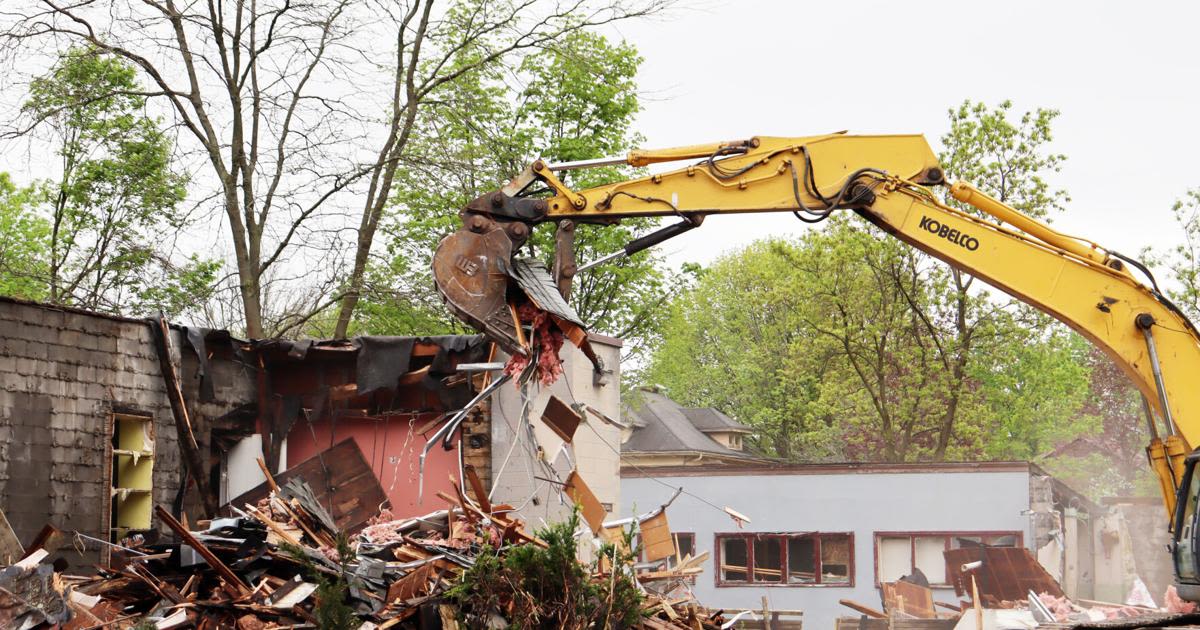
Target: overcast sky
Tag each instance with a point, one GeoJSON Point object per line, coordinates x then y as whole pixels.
{"type": "Point", "coordinates": [1123, 74]}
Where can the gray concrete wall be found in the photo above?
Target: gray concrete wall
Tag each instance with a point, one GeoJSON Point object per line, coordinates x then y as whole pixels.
{"type": "Point", "coordinates": [862, 503]}
{"type": "Point", "coordinates": [594, 449]}
{"type": "Point", "coordinates": [62, 374]}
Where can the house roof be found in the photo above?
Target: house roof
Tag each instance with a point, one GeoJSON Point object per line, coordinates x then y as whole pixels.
{"type": "Point", "coordinates": [709, 420]}
{"type": "Point", "coordinates": [662, 426]}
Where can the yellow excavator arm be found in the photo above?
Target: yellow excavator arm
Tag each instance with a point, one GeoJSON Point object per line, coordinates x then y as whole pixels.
{"type": "Point", "coordinates": [884, 179]}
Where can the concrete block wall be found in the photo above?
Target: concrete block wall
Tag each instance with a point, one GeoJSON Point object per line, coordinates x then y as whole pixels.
{"type": "Point", "coordinates": [62, 373]}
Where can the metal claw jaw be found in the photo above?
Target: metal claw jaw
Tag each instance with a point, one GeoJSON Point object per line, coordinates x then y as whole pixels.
{"type": "Point", "coordinates": [482, 284]}
{"type": "Point", "coordinates": [472, 273]}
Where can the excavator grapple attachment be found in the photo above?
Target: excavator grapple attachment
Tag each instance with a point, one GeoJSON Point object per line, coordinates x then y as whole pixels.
{"type": "Point", "coordinates": [471, 271]}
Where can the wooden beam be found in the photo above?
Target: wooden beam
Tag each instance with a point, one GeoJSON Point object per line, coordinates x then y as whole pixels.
{"type": "Point", "coordinates": [188, 447]}
{"type": "Point", "coordinates": [866, 610]}
{"type": "Point", "coordinates": [267, 473]}
{"type": "Point", "coordinates": [222, 570]}
{"type": "Point", "coordinates": [477, 488]}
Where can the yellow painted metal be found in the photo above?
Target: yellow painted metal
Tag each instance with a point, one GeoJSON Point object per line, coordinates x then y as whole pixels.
{"type": "Point", "coordinates": [572, 199]}
{"type": "Point", "coordinates": [1156, 453]}
{"type": "Point", "coordinates": [1177, 451]}
{"type": "Point", "coordinates": [969, 194]}
{"type": "Point", "coordinates": [1097, 301]}
{"type": "Point", "coordinates": [1065, 277]}
{"type": "Point", "coordinates": [766, 188]}
{"type": "Point", "coordinates": [642, 157]}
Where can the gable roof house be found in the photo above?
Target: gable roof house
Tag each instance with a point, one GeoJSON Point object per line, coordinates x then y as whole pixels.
{"type": "Point", "coordinates": [661, 432]}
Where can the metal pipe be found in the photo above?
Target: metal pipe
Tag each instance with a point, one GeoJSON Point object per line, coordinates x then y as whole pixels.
{"type": "Point", "coordinates": [1145, 322]}
{"type": "Point", "coordinates": [578, 164]}
{"type": "Point", "coordinates": [1149, 418]}
{"type": "Point", "coordinates": [617, 255]}
{"type": "Point", "coordinates": [449, 428]}
{"type": "Point", "coordinates": [648, 241]}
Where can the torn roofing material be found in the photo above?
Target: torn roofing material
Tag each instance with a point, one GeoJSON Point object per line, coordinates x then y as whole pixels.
{"type": "Point", "coordinates": [533, 278]}
{"type": "Point", "coordinates": [663, 426]}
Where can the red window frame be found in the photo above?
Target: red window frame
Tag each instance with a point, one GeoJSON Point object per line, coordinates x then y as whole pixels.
{"type": "Point", "coordinates": [912, 552]}
{"type": "Point", "coordinates": [750, 537]}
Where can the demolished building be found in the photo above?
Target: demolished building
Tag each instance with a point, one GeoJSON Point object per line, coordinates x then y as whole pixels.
{"type": "Point", "coordinates": [92, 443]}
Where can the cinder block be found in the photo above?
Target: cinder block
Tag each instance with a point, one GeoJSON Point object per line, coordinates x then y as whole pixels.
{"type": "Point", "coordinates": [95, 391]}
{"type": "Point", "coordinates": [129, 347]}
{"type": "Point", "coordinates": [8, 364]}
{"type": "Point", "coordinates": [13, 382]}
{"type": "Point", "coordinates": [72, 338]}
{"type": "Point", "coordinates": [36, 350]}
{"type": "Point", "coordinates": [106, 343]}
{"type": "Point", "coordinates": [30, 366]}
{"type": "Point", "coordinates": [134, 332]}
{"type": "Point", "coordinates": [86, 373]}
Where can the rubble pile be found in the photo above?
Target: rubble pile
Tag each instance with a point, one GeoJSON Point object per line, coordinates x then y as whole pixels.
{"type": "Point", "coordinates": [1005, 588]}
{"type": "Point", "coordinates": [283, 563]}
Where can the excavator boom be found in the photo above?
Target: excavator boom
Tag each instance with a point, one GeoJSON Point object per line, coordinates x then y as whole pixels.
{"type": "Point", "coordinates": [886, 180]}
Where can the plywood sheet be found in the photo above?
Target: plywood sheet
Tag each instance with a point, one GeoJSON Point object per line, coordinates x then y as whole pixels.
{"type": "Point", "coordinates": [561, 418]}
{"type": "Point", "coordinates": [342, 482]}
{"type": "Point", "coordinates": [593, 511]}
{"type": "Point", "coordinates": [908, 599]}
{"type": "Point", "coordinates": [657, 542]}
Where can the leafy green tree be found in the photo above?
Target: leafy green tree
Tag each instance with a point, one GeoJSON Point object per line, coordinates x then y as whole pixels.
{"type": "Point", "coordinates": [578, 101]}
{"type": "Point", "coordinates": [1183, 260]}
{"type": "Point", "coordinates": [1107, 456]}
{"type": "Point", "coordinates": [737, 341]}
{"type": "Point", "coordinates": [822, 346]}
{"type": "Point", "coordinates": [1007, 159]}
{"type": "Point", "coordinates": [23, 239]}
{"type": "Point", "coordinates": [115, 200]}
{"type": "Point", "coordinates": [1046, 376]}
{"type": "Point", "coordinates": [899, 357]}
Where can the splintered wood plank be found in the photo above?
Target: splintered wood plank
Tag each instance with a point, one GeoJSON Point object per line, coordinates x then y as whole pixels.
{"type": "Point", "coordinates": [222, 570]}
{"type": "Point", "coordinates": [581, 494]}
{"type": "Point", "coordinates": [481, 496]}
{"type": "Point", "coordinates": [862, 608]}
{"type": "Point", "coordinates": [909, 599]}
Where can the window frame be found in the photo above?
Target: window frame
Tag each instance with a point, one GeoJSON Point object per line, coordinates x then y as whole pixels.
{"type": "Point", "coordinates": [914, 535]}
{"type": "Point", "coordinates": [676, 537]}
{"type": "Point", "coordinates": [783, 537]}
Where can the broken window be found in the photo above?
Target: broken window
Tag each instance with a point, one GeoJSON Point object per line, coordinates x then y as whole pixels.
{"type": "Point", "coordinates": [734, 560]}
{"type": "Point", "coordinates": [132, 472]}
{"type": "Point", "coordinates": [835, 559]}
{"type": "Point", "coordinates": [899, 554]}
{"type": "Point", "coordinates": [802, 560]}
{"type": "Point", "coordinates": [685, 544]}
{"type": "Point", "coordinates": [768, 560]}
{"type": "Point", "coordinates": [793, 559]}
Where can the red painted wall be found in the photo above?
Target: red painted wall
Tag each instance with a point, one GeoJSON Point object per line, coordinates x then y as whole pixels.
{"type": "Point", "coordinates": [393, 449]}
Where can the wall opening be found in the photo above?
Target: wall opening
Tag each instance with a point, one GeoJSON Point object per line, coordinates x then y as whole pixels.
{"type": "Point", "coordinates": [132, 473]}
